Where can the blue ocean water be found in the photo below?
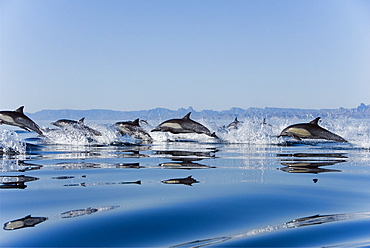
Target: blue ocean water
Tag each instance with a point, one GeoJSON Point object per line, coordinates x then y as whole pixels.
{"type": "Point", "coordinates": [248, 189]}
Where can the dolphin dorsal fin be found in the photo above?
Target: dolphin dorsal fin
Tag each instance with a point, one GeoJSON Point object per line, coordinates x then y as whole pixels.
{"type": "Point", "coordinates": [20, 109]}
{"type": "Point", "coordinates": [136, 122]}
{"type": "Point", "coordinates": [315, 121]}
{"type": "Point", "coordinates": [187, 117]}
{"type": "Point", "coordinates": [81, 120]}
{"type": "Point", "coordinates": [236, 119]}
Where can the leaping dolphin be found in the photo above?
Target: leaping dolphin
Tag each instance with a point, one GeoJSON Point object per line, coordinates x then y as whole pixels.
{"type": "Point", "coordinates": [234, 124]}
{"type": "Point", "coordinates": [76, 124]}
{"type": "Point", "coordinates": [132, 128]}
{"type": "Point", "coordinates": [184, 125]}
{"type": "Point", "coordinates": [310, 130]}
{"type": "Point", "coordinates": [65, 122]}
{"type": "Point", "coordinates": [19, 119]}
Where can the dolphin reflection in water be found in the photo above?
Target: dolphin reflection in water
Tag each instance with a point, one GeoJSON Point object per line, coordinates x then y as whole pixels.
{"type": "Point", "coordinates": [187, 181]}
{"type": "Point", "coordinates": [296, 223]}
{"type": "Point", "coordinates": [15, 182]}
{"type": "Point", "coordinates": [30, 221]}
{"type": "Point", "coordinates": [27, 221]}
{"type": "Point", "coordinates": [310, 162]}
{"type": "Point", "coordinates": [84, 211]}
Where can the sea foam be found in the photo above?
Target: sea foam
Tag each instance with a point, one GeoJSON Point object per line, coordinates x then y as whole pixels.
{"type": "Point", "coordinates": [10, 143]}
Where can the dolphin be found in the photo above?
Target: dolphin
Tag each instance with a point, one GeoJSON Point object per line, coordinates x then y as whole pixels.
{"type": "Point", "coordinates": [65, 122]}
{"type": "Point", "coordinates": [264, 123]}
{"type": "Point", "coordinates": [144, 122]}
{"type": "Point", "coordinates": [310, 130]}
{"type": "Point", "coordinates": [19, 119]}
{"type": "Point", "coordinates": [76, 124]}
{"type": "Point", "coordinates": [184, 125]}
{"type": "Point", "coordinates": [132, 128]}
{"type": "Point", "coordinates": [234, 124]}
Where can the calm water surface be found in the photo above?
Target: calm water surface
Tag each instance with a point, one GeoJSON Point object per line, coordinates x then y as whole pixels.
{"type": "Point", "coordinates": [250, 189]}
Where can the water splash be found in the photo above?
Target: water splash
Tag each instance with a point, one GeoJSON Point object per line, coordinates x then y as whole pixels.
{"type": "Point", "coordinates": [11, 144]}
{"type": "Point", "coordinates": [258, 131]}
{"type": "Point", "coordinates": [356, 131]}
{"type": "Point", "coordinates": [77, 137]}
{"type": "Point", "coordinates": [251, 131]}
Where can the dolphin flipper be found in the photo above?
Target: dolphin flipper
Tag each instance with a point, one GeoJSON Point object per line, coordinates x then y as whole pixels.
{"type": "Point", "coordinates": [25, 128]}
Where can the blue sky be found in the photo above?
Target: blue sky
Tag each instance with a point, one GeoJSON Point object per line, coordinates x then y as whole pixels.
{"type": "Point", "coordinates": [209, 54]}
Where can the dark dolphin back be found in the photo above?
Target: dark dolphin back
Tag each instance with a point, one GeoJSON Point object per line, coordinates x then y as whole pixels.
{"type": "Point", "coordinates": [323, 133]}
{"type": "Point", "coordinates": [326, 134]}
{"type": "Point", "coordinates": [193, 125]}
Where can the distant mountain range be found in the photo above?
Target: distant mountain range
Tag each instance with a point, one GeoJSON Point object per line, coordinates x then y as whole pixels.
{"type": "Point", "coordinates": [362, 111]}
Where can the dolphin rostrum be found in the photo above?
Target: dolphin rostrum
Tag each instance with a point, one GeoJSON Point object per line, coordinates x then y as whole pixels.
{"type": "Point", "coordinates": [310, 130]}
{"type": "Point", "coordinates": [19, 119]}
{"type": "Point", "coordinates": [184, 125]}
{"type": "Point", "coordinates": [132, 128]}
